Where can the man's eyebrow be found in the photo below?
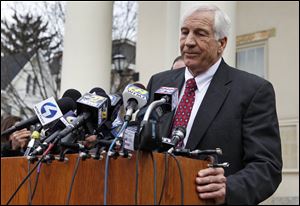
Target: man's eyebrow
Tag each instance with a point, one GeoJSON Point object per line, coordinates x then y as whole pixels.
{"type": "Point", "coordinates": [201, 29]}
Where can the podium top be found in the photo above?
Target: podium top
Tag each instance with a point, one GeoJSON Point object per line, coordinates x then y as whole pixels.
{"type": "Point", "coordinates": [55, 179]}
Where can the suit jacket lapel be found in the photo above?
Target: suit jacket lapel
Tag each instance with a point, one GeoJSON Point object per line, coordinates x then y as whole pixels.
{"type": "Point", "coordinates": [176, 81]}
{"type": "Point", "coordinates": [166, 120]}
{"type": "Point", "coordinates": [213, 100]}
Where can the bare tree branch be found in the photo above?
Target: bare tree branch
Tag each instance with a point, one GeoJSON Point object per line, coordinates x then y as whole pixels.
{"type": "Point", "coordinates": [31, 32]}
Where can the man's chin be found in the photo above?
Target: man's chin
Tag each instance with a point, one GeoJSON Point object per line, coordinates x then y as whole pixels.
{"type": "Point", "coordinates": [195, 69]}
{"type": "Point", "coordinates": [191, 65]}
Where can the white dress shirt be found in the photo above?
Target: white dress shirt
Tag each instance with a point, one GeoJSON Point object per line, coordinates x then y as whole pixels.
{"type": "Point", "coordinates": [203, 81]}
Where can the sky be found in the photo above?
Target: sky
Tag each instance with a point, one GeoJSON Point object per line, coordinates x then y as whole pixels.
{"type": "Point", "coordinates": [35, 7]}
{"type": "Point", "coordinates": [21, 6]}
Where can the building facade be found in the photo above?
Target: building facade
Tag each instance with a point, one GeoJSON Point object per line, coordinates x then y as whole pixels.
{"type": "Point", "coordinates": [267, 28]}
{"type": "Point", "coordinates": [26, 79]}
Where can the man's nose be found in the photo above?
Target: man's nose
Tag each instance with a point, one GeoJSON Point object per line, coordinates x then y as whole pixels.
{"type": "Point", "coordinates": [190, 40]}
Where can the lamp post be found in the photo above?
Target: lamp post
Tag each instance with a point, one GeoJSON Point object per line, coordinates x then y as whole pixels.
{"type": "Point", "coordinates": [120, 63]}
{"type": "Point", "coordinates": [121, 74]}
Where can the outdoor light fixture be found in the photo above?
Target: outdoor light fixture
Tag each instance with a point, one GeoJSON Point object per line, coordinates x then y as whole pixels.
{"type": "Point", "coordinates": [120, 62]}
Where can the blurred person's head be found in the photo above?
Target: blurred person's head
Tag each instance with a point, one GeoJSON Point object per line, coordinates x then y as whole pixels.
{"type": "Point", "coordinates": [178, 63]}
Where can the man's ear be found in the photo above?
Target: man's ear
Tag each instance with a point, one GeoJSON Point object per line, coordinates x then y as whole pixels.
{"type": "Point", "coordinates": [223, 42]}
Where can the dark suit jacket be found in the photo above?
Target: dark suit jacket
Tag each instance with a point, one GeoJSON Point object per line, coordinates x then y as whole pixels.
{"type": "Point", "coordinates": [238, 115]}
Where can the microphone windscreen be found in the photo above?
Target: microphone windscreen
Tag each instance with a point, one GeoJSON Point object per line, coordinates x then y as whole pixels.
{"type": "Point", "coordinates": [139, 85]}
{"type": "Point", "coordinates": [66, 104]}
{"type": "Point", "coordinates": [100, 92]}
{"type": "Point", "coordinates": [73, 94]}
{"type": "Point", "coordinates": [180, 130]}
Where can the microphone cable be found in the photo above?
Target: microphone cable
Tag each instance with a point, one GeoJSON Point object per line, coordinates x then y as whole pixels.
{"type": "Point", "coordinates": [107, 161]}
{"type": "Point", "coordinates": [73, 178]}
{"type": "Point", "coordinates": [29, 185]}
{"type": "Point", "coordinates": [165, 177]}
{"type": "Point", "coordinates": [154, 177]}
{"type": "Point", "coordinates": [29, 174]}
{"type": "Point", "coordinates": [136, 177]}
{"type": "Point", "coordinates": [106, 171]}
{"type": "Point", "coordinates": [181, 177]}
{"type": "Point", "coordinates": [36, 182]}
{"type": "Point", "coordinates": [34, 136]}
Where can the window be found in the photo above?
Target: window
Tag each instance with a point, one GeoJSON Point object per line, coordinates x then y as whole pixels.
{"type": "Point", "coordinates": [252, 58]}
{"type": "Point", "coordinates": [289, 133]}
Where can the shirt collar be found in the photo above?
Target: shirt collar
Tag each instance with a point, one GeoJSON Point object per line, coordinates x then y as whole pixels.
{"type": "Point", "coordinates": [203, 77]}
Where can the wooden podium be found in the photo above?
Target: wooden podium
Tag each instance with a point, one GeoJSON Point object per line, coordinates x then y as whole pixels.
{"type": "Point", "coordinates": [55, 179]}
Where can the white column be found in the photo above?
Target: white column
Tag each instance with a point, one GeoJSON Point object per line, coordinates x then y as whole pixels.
{"type": "Point", "coordinates": [157, 37]}
{"type": "Point", "coordinates": [87, 46]}
{"type": "Point", "coordinates": [229, 7]}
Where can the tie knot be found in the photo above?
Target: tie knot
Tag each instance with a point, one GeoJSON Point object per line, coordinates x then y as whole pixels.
{"type": "Point", "coordinates": [191, 84]}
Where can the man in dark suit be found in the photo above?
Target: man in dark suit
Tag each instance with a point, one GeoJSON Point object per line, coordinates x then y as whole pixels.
{"type": "Point", "coordinates": [231, 109]}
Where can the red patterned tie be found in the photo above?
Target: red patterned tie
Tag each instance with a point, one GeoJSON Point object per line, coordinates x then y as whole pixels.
{"type": "Point", "coordinates": [185, 106]}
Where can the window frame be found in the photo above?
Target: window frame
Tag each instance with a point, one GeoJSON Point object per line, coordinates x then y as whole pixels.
{"type": "Point", "coordinates": [256, 44]}
{"type": "Point", "coordinates": [291, 122]}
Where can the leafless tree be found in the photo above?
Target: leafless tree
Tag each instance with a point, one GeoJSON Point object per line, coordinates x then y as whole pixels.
{"type": "Point", "coordinates": [124, 29]}
{"type": "Point", "coordinates": [125, 20]}
{"type": "Point", "coordinates": [52, 17]}
{"type": "Point", "coordinates": [33, 30]}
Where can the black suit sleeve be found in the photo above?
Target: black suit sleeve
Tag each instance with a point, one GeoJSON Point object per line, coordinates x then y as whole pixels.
{"type": "Point", "coordinates": [7, 151]}
{"type": "Point", "coordinates": [149, 89]}
{"type": "Point", "coordinates": [261, 174]}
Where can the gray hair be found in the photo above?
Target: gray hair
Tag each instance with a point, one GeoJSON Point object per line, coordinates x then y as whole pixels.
{"type": "Point", "coordinates": [221, 21]}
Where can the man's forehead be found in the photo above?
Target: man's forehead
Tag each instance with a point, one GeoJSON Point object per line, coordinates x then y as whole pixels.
{"type": "Point", "coordinates": [200, 15]}
{"type": "Point", "coordinates": [202, 18]}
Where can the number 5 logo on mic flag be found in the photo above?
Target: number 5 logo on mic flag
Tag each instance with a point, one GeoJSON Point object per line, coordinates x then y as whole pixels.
{"type": "Point", "coordinates": [47, 111]}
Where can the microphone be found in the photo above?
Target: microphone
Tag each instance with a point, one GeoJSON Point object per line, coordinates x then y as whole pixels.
{"type": "Point", "coordinates": [116, 103]}
{"type": "Point", "coordinates": [131, 136]}
{"type": "Point", "coordinates": [73, 94]}
{"type": "Point", "coordinates": [170, 95]}
{"type": "Point", "coordinates": [64, 121]}
{"type": "Point", "coordinates": [100, 92]}
{"type": "Point", "coordinates": [96, 121]}
{"type": "Point", "coordinates": [135, 96]}
{"type": "Point", "coordinates": [65, 104]}
{"type": "Point", "coordinates": [177, 136]}
{"type": "Point", "coordinates": [166, 98]}
{"type": "Point", "coordinates": [74, 146]}
{"type": "Point", "coordinates": [91, 108]}
{"type": "Point", "coordinates": [154, 115]}
{"type": "Point", "coordinates": [115, 99]}
{"type": "Point", "coordinates": [212, 154]}
{"type": "Point", "coordinates": [54, 130]}
{"type": "Point", "coordinates": [34, 139]}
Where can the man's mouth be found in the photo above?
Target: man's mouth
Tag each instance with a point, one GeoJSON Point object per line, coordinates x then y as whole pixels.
{"type": "Point", "coordinates": [190, 55]}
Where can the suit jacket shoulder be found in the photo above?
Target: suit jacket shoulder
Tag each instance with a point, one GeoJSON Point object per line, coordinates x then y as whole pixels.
{"type": "Point", "coordinates": [170, 78]}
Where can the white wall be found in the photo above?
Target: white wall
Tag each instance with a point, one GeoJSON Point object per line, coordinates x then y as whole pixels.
{"type": "Point", "coordinates": [283, 68]}
{"type": "Point", "coordinates": [157, 37]}
{"type": "Point", "coordinates": [283, 55]}
{"type": "Point", "coordinates": [87, 46]}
